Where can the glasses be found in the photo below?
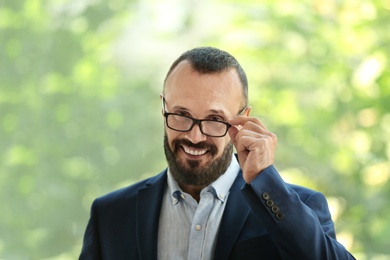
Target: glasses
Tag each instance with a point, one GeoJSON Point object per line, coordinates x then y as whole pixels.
{"type": "Point", "coordinates": [183, 123]}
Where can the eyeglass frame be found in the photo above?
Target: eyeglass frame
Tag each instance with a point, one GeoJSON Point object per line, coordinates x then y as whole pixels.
{"type": "Point", "coordinates": [196, 121]}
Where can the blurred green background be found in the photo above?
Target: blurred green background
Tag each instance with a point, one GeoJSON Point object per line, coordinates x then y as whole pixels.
{"type": "Point", "coordinates": [80, 110]}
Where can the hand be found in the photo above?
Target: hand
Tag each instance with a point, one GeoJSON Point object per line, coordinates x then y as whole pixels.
{"type": "Point", "coordinates": [255, 145]}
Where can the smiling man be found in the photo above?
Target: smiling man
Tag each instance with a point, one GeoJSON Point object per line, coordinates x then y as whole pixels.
{"type": "Point", "coordinates": [211, 203]}
{"type": "Point", "coordinates": [198, 154]}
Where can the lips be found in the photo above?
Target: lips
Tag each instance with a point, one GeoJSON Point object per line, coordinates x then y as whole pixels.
{"type": "Point", "coordinates": [194, 152]}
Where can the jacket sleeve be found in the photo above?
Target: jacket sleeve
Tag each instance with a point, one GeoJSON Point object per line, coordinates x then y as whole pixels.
{"type": "Point", "coordinates": [300, 225]}
{"type": "Point", "coordinates": [91, 245]}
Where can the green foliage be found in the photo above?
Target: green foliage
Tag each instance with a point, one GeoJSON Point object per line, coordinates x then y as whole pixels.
{"type": "Point", "coordinates": [80, 111]}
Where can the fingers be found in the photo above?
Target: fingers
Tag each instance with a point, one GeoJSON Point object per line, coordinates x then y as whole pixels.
{"type": "Point", "coordinates": [250, 134]}
{"type": "Point", "coordinates": [248, 140]}
{"type": "Point", "coordinates": [255, 145]}
{"type": "Point", "coordinates": [242, 120]}
{"type": "Point", "coordinates": [248, 126]}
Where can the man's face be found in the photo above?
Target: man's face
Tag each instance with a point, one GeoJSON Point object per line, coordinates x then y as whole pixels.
{"type": "Point", "coordinates": [194, 158]}
{"type": "Point", "coordinates": [190, 172]}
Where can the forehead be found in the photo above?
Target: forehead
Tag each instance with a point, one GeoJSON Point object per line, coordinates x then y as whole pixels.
{"type": "Point", "coordinates": [188, 88]}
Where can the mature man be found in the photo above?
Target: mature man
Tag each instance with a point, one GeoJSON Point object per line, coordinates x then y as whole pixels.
{"type": "Point", "coordinates": [210, 203]}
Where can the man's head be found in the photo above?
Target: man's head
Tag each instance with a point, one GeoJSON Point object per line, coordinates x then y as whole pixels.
{"type": "Point", "coordinates": [204, 84]}
{"type": "Point", "coordinates": [208, 60]}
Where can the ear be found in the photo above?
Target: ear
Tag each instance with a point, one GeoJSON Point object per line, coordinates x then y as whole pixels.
{"type": "Point", "coordinates": [247, 111]}
{"type": "Point", "coordinates": [161, 99]}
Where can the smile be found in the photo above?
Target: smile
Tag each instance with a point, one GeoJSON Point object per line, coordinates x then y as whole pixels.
{"type": "Point", "coordinates": [194, 152]}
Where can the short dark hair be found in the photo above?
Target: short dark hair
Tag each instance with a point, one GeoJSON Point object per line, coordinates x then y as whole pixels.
{"type": "Point", "coordinates": [212, 60]}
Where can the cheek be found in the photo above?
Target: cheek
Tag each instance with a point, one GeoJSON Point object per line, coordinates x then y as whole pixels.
{"type": "Point", "coordinates": [221, 144]}
{"type": "Point", "coordinates": [171, 135]}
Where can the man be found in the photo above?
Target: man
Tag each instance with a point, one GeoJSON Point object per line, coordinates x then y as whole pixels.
{"type": "Point", "coordinates": [210, 203]}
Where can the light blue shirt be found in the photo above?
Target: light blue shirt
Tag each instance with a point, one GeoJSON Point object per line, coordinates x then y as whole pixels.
{"type": "Point", "coordinates": [188, 230]}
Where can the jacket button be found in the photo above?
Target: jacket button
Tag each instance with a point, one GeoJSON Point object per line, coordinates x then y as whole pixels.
{"type": "Point", "coordinates": [265, 196]}
{"type": "Point", "coordinates": [275, 209]}
{"type": "Point", "coordinates": [270, 203]}
{"type": "Point", "coordinates": [279, 215]}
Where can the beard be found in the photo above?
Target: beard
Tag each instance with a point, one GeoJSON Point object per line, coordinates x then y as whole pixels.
{"type": "Point", "coordinates": [190, 172]}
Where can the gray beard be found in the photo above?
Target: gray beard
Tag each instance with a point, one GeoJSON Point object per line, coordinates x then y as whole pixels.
{"type": "Point", "coordinates": [190, 172]}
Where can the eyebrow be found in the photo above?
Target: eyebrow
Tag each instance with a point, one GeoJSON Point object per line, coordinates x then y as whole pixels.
{"type": "Point", "coordinates": [211, 111]}
{"type": "Point", "coordinates": [218, 112]}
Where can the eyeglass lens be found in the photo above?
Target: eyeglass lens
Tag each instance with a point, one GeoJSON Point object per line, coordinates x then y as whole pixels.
{"type": "Point", "coordinates": [207, 127]}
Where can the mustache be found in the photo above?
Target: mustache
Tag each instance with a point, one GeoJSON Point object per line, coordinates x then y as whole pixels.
{"type": "Point", "coordinates": [178, 143]}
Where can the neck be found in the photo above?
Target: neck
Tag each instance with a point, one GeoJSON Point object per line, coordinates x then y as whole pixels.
{"type": "Point", "coordinates": [193, 190]}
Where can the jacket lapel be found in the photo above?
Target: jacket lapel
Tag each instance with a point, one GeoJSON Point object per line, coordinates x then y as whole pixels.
{"type": "Point", "coordinates": [233, 219]}
{"type": "Point", "coordinates": [148, 211]}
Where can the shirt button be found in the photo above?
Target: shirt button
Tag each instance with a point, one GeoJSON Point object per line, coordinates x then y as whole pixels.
{"type": "Point", "coordinates": [182, 196]}
{"type": "Point", "coordinates": [198, 227]}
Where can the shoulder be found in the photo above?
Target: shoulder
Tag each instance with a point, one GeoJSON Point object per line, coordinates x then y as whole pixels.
{"type": "Point", "coordinates": [318, 203]}
{"type": "Point", "coordinates": [129, 193]}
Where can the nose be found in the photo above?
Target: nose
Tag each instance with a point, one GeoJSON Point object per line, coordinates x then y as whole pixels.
{"type": "Point", "coordinates": [195, 135]}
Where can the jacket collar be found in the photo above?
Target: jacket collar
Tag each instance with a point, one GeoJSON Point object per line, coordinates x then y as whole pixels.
{"type": "Point", "coordinates": [233, 220]}
{"type": "Point", "coordinates": [149, 202]}
{"type": "Point", "coordinates": [148, 211]}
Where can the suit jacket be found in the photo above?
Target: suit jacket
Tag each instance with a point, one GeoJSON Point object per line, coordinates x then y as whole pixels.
{"type": "Point", "coordinates": [267, 219]}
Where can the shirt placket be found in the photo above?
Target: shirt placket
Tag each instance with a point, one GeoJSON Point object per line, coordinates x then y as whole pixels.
{"type": "Point", "coordinates": [199, 226]}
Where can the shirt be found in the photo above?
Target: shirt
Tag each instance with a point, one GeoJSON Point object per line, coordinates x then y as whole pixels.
{"type": "Point", "coordinates": [188, 230]}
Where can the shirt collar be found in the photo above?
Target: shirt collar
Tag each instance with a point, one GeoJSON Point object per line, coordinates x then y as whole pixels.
{"type": "Point", "coordinates": [220, 187]}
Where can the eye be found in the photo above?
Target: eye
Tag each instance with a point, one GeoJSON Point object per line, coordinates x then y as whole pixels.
{"type": "Point", "coordinates": [182, 113]}
{"type": "Point", "coordinates": [216, 118]}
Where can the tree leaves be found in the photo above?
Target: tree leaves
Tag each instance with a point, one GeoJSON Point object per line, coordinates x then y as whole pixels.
{"type": "Point", "coordinates": [81, 115]}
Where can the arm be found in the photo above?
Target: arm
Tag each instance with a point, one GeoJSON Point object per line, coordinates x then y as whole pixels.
{"type": "Point", "coordinates": [91, 245]}
{"type": "Point", "coordinates": [301, 227]}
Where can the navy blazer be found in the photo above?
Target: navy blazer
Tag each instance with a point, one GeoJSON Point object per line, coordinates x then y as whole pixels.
{"type": "Point", "coordinates": [267, 219]}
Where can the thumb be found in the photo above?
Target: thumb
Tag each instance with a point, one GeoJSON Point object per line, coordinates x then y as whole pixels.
{"type": "Point", "coordinates": [233, 131]}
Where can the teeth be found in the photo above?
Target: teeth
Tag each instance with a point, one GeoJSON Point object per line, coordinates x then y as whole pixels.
{"type": "Point", "coordinates": [194, 152]}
